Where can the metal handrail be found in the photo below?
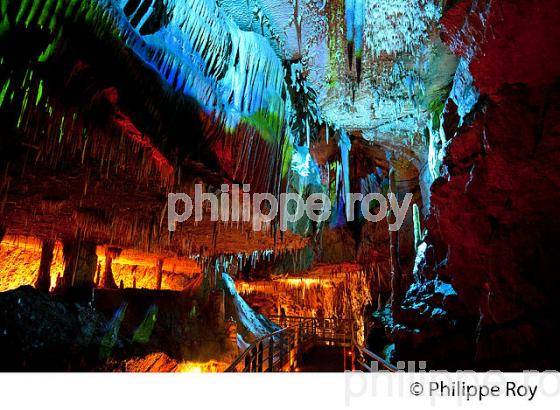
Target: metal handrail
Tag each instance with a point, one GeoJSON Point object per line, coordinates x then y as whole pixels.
{"type": "Point", "coordinates": [276, 350]}
{"type": "Point", "coordinates": [278, 346]}
{"type": "Point", "coordinates": [364, 353]}
{"type": "Point", "coordinates": [329, 329]}
{"type": "Point", "coordinates": [384, 363]}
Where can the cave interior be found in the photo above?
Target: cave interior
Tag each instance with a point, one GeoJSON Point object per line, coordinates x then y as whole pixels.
{"type": "Point", "coordinates": [109, 106]}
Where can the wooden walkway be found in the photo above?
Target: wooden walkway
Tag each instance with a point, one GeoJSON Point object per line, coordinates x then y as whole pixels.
{"type": "Point", "coordinates": [314, 339]}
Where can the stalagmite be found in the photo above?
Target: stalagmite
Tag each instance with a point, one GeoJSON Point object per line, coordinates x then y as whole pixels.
{"type": "Point", "coordinates": [107, 280]}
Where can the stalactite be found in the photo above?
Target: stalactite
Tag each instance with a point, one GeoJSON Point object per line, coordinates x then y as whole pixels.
{"type": "Point", "coordinates": [200, 51]}
{"type": "Point", "coordinates": [358, 35]}
{"type": "Point", "coordinates": [349, 23]}
{"type": "Point", "coordinates": [417, 227]}
{"type": "Point", "coordinates": [400, 25]}
{"type": "Point", "coordinates": [345, 146]}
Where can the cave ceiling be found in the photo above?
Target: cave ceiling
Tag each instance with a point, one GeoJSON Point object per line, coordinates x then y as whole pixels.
{"type": "Point", "coordinates": [180, 91]}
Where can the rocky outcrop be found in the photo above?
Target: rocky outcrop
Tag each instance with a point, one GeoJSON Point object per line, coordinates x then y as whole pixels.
{"type": "Point", "coordinates": [38, 333]}
{"type": "Point", "coordinates": [121, 330]}
{"type": "Point", "coordinates": [152, 363]}
{"type": "Point", "coordinates": [493, 224]}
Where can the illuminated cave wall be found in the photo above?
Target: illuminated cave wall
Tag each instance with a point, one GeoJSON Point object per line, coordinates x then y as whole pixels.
{"type": "Point", "coordinates": [297, 296]}
{"type": "Point", "coordinates": [19, 262]}
{"type": "Point", "coordinates": [341, 291]}
{"type": "Point", "coordinates": [20, 259]}
{"type": "Point", "coordinates": [139, 269]}
{"type": "Point", "coordinates": [146, 278]}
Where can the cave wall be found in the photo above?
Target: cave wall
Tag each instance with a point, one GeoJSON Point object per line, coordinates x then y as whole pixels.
{"type": "Point", "coordinates": [492, 224]}
{"type": "Point", "coordinates": [325, 287]}
{"type": "Point", "coordinates": [20, 259]}
{"type": "Point", "coordinates": [340, 290]}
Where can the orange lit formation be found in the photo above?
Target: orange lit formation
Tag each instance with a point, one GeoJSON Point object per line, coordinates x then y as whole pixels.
{"type": "Point", "coordinates": [21, 258]}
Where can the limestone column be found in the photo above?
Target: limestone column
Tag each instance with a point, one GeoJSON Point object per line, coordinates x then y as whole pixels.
{"type": "Point", "coordinates": [43, 281]}
{"type": "Point", "coordinates": [69, 250]}
{"type": "Point", "coordinates": [98, 275]}
{"type": "Point", "coordinates": [107, 280]}
{"type": "Point", "coordinates": [159, 267]}
{"type": "Point", "coordinates": [80, 262]}
{"type": "Point", "coordinates": [87, 264]}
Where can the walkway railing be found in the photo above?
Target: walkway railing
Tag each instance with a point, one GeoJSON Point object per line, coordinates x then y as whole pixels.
{"type": "Point", "coordinates": [330, 331]}
{"type": "Point", "coordinates": [365, 360]}
{"type": "Point", "coordinates": [277, 351]}
{"type": "Point", "coordinates": [282, 350]}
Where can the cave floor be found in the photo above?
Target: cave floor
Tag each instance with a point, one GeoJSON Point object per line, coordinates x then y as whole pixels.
{"type": "Point", "coordinates": [323, 359]}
